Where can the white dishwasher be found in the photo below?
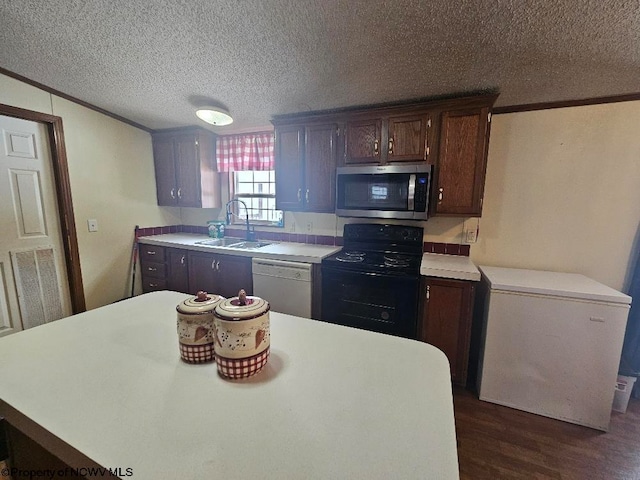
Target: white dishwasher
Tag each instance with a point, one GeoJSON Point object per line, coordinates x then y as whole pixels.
{"type": "Point", "coordinates": [285, 285]}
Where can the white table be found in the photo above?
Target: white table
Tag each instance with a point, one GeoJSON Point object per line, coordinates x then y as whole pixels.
{"type": "Point", "coordinates": [333, 402]}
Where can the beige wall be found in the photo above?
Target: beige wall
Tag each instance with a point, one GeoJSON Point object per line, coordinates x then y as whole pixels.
{"type": "Point", "coordinates": [441, 229]}
{"type": "Point", "coordinates": [562, 194]}
{"type": "Point", "coordinates": [112, 180]}
{"type": "Point", "coordinates": [563, 191]}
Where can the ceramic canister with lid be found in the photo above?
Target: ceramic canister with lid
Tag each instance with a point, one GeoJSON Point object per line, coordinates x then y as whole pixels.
{"type": "Point", "coordinates": [195, 327]}
{"type": "Point", "coordinates": [241, 335]}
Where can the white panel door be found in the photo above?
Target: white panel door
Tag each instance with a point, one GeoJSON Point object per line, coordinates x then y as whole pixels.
{"type": "Point", "coordinates": [32, 268]}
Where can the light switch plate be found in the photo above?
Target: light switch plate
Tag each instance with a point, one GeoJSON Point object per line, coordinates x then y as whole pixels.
{"type": "Point", "coordinates": [92, 224]}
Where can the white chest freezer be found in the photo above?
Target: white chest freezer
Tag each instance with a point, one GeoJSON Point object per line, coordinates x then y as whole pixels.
{"type": "Point", "coordinates": [551, 344]}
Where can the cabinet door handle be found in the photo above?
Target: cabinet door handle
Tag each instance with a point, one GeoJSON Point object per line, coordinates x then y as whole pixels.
{"type": "Point", "coordinates": [213, 264]}
{"type": "Point", "coordinates": [217, 266]}
{"type": "Point", "coordinates": [306, 196]}
{"type": "Point", "coordinates": [376, 150]}
{"type": "Point", "coordinates": [182, 260]}
{"type": "Point", "coordinates": [391, 146]}
{"type": "Point", "coordinates": [426, 145]}
{"type": "Point", "coordinates": [153, 285]}
{"type": "Point", "coordinates": [440, 195]}
{"type": "Point", "coordinates": [180, 193]}
{"type": "Point", "coordinates": [173, 193]}
{"type": "Point", "coordinates": [299, 195]}
{"type": "Point", "coordinates": [150, 252]}
{"type": "Point", "coordinates": [152, 269]}
{"type": "Point", "coordinates": [428, 292]}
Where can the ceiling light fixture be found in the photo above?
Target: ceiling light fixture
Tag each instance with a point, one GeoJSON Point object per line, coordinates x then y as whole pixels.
{"type": "Point", "coordinates": [214, 115]}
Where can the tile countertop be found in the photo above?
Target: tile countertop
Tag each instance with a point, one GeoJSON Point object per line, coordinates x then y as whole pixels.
{"type": "Point", "coordinates": [456, 267]}
{"type": "Point", "coordinates": [294, 252]}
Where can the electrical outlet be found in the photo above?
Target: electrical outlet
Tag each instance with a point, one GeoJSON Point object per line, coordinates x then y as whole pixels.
{"type": "Point", "coordinates": [471, 236]}
{"type": "Point", "coordinates": [309, 227]}
{"type": "Point", "coordinates": [92, 225]}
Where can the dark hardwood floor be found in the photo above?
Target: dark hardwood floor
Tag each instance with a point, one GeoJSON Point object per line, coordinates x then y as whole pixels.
{"type": "Point", "coordinates": [496, 442]}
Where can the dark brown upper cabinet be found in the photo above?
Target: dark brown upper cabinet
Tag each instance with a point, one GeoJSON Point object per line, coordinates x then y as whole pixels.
{"type": "Point", "coordinates": [186, 174]}
{"type": "Point", "coordinates": [289, 154]}
{"type": "Point", "coordinates": [408, 138]}
{"type": "Point", "coordinates": [320, 161]}
{"type": "Point", "coordinates": [458, 184]}
{"type": "Point", "coordinates": [388, 139]}
{"type": "Point", "coordinates": [451, 134]}
{"type": "Point", "coordinates": [363, 141]}
{"type": "Point", "coordinates": [306, 159]}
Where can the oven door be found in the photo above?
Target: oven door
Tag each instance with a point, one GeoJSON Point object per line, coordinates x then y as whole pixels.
{"type": "Point", "coordinates": [376, 302]}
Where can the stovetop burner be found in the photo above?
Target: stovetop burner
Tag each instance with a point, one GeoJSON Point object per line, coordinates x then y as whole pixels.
{"type": "Point", "coordinates": [383, 249]}
{"type": "Point", "coordinates": [350, 258]}
{"type": "Point", "coordinates": [392, 260]}
{"type": "Point", "coordinates": [377, 262]}
{"type": "Point", "coordinates": [396, 258]}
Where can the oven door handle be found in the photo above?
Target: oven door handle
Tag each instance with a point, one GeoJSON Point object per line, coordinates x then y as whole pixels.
{"type": "Point", "coordinates": [411, 193]}
{"type": "Point", "coordinates": [335, 270]}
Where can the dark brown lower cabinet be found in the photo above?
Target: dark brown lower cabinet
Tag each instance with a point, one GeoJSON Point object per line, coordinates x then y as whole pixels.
{"type": "Point", "coordinates": [153, 269]}
{"type": "Point", "coordinates": [221, 274]}
{"type": "Point", "coordinates": [446, 321]}
{"type": "Point", "coordinates": [187, 271]}
{"type": "Point", "coordinates": [177, 270]}
{"type": "Point", "coordinates": [163, 269]}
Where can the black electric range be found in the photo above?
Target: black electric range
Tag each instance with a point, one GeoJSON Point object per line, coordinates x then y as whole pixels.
{"type": "Point", "coordinates": [373, 282]}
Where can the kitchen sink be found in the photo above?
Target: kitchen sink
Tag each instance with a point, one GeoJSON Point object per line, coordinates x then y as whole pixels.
{"type": "Point", "coordinates": [220, 242]}
{"type": "Point", "coordinates": [249, 245]}
{"type": "Point", "coordinates": [232, 243]}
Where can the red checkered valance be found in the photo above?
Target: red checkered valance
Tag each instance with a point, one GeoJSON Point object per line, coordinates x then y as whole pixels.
{"type": "Point", "coordinates": [251, 151]}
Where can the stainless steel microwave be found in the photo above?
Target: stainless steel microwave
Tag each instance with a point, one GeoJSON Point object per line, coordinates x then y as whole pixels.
{"type": "Point", "coordinates": [383, 191]}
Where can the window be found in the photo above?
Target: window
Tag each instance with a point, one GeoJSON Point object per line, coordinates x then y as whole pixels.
{"type": "Point", "coordinates": [249, 160]}
{"type": "Point", "coordinates": [257, 189]}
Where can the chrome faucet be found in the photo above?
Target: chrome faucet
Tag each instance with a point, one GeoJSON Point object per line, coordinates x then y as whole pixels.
{"type": "Point", "coordinates": [251, 234]}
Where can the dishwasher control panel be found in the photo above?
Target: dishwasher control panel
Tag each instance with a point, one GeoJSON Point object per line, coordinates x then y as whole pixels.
{"type": "Point", "coordinates": [282, 269]}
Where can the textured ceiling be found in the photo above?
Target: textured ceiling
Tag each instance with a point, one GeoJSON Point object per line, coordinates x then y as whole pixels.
{"type": "Point", "coordinates": [152, 61]}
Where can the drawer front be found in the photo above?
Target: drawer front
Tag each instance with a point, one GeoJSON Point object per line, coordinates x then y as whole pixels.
{"type": "Point", "coordinates": [151, 253]}
{"type": "Point", "coordinates": [153, 284]}
{"type": "Point", "coordinates": [153, 269]}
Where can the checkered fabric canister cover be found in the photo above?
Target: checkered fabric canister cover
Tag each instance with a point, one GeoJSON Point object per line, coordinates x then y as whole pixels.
{"type": "Point", "coordinates": [241, 335]}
